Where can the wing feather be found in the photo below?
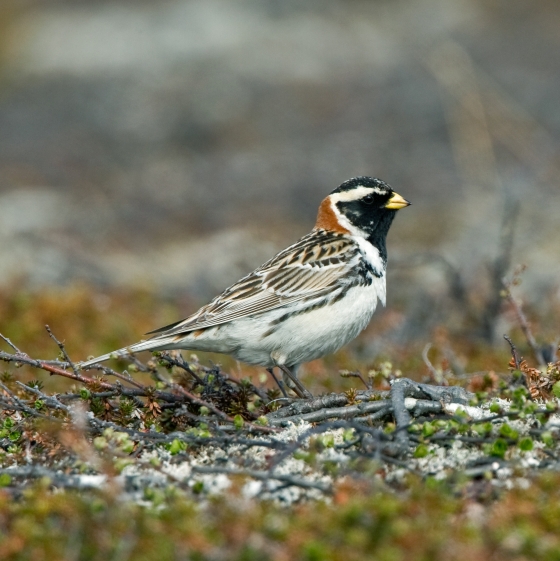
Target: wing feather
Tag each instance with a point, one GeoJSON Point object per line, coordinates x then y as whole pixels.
{"type": "Point", "coordinates": [313, 267]}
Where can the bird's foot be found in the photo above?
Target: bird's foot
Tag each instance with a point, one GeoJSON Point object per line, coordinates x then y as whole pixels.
{"type": "Point", "coordinates": [297, 386]}
{"type": "Point", "coordinates": [279, 383]}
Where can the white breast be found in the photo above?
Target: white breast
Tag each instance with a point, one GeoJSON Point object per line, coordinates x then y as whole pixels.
{"type": "Point", "coordinates": [312, 334]}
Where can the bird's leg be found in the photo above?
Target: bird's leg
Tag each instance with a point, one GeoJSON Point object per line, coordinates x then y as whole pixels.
{"type": "Point", "coordinates": [298, 387]}
{"type": "Point", "coordinates": [278, 382]}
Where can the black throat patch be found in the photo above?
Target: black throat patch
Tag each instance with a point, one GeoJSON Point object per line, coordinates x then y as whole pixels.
{"type": "Point", "coordinates": [374, 221]}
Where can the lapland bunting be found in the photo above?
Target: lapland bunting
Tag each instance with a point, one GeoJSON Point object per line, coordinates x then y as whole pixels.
{"type": "Point", "coordinates": [308, 300]}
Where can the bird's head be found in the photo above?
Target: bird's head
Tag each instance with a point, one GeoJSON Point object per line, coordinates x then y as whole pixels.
{"type": "Point", "coordinates": [362, 207]}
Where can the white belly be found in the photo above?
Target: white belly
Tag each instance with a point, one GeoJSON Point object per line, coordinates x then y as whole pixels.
{"type": "Point", "coordinates": [301, 337]}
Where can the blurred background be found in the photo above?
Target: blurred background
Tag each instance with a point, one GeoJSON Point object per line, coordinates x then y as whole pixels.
{"type": "Point", "coordinates": [173, 146]}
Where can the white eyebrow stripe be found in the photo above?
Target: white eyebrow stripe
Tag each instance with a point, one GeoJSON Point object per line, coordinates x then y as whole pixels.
{"type": "Point", "coordinates": [357, 193]}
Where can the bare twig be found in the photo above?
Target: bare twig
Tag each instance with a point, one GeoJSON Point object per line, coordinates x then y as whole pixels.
{"type": "Point", "coordinates": [523, 323]}
{"type": "Point", "coordinates": [435, 374]}
{"type": "Point", "coordinates": [348, 423]}
{"type": "Point", "coordinates": [356, 374]}
{"type": "Point", "coordinates": [9, 343]}
{"type": "Point", "coordinates": [62, 349]}
{"type": "Point", "coordinates": [267, 476]}
{"type": "Point", "coordinates": [216, 411]}
{"type": "Point", "coordinates": [50, 400]}
{"type": "Point", "coordinates": [302, 406]}
{"type": "Point", "coordinates": [514, 354]}
{"type": "Point", "coordinates": [180, 363]}
{"type": "Point", "coordinates": [17, 404]}
{"type": "Point", "coordinates": [500, 267]}
{"type": "Point", "coordinates": [334, 413]}
{"type": "Point", "coordinates": [124, 376]}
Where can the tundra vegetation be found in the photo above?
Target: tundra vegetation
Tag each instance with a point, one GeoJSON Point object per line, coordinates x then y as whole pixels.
{"type": "Point", "coordinates": [423, 454]}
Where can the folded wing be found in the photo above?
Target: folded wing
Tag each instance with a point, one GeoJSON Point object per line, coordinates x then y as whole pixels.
{"type": "Point", "coordinates": [316, 266]}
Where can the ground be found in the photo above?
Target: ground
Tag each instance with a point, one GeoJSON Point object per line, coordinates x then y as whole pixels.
{"type": "Point", "coordinates": [198, 464]}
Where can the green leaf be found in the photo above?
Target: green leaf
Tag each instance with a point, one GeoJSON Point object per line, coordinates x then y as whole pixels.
{"type": "Point", "coordinates": [495, 408]}
{"type": "Point", "coordinates": [198, 487]}
{"type": "Point", "coordinates": [128, 447]}
{"type": "Point", "coordinates": [461, 413]}
{"type": "Point", "coordinates": [177, 446]}
{"type": "Point", "coordinates": [428, 429]}
{"type": "Point", "coordinates": [499, 448]}
{"type": "Point", "coordinates": [121, 463]}
{"type": "Point", "coordinates": [526, 444]}
{"type": "Point", "coordinates": [421, 451]}
{"type": "Point", "coordinates": [547, 438]}
{"type": "Point", "coordinates": [483, 428]}
{"type": "Point", "coordinates": [389, 428]}
{"type": "Point", "coordinates": [348, 435]}
{"type": "Point", "coordinates": [507, 431]}
{"type": "Point", "coordinates": [530, 408]}
{"type": "Point", "coordinates": [520, 395]}
{"type": "Point", "coordinates": [100, 443]}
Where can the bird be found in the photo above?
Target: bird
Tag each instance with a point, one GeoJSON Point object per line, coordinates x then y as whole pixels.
{"type": "Point", "coordinates": [309, 300]}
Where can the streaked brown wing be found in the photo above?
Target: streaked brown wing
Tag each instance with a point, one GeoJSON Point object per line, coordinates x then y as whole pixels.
{"type": "Point", "coordinates": [314, 266]}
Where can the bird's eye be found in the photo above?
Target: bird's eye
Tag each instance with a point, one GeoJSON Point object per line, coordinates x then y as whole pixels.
{"type": "Point", "coordinates": [368, 199]}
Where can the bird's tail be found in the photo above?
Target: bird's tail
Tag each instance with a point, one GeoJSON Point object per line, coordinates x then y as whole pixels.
{"type": "Point", "coordinates": [155, 344]}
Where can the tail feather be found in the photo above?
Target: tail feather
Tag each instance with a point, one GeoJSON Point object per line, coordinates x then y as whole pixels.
{"type": "Point", "coordinates": [156, 344]}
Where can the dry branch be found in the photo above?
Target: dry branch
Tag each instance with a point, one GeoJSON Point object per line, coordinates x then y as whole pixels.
{"type": "Point", "coordinates": [197, 409]}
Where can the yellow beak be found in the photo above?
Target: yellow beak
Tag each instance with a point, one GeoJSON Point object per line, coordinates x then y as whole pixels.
{"type": "Point", "coordinates": [396, 202]}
